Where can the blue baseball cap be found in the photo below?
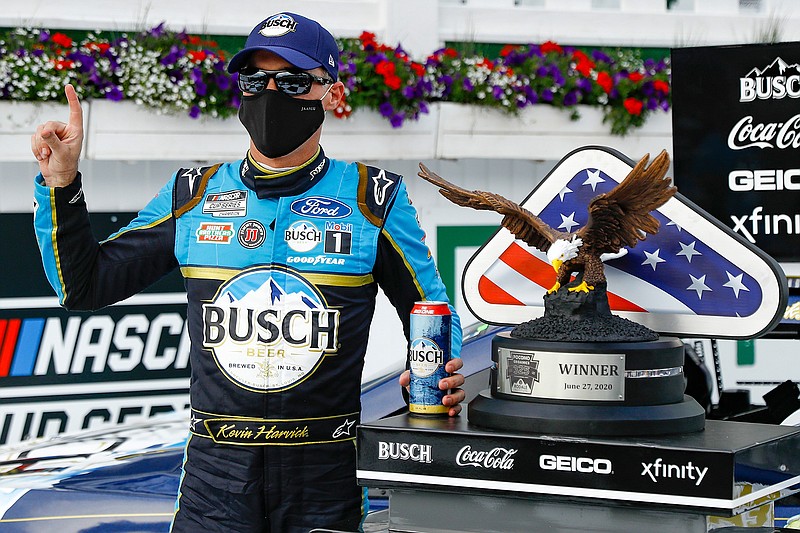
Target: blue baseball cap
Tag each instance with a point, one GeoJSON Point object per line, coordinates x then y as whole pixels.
{"type": "Point", "coordinates": [297, 39]}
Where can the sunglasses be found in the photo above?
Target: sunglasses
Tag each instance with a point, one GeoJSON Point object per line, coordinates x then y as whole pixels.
{"type": "Point", "coordinates": [255, 81]}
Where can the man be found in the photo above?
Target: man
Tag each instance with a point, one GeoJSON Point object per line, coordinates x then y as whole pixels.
{"type": "Point", "coordinates": [281, 253]}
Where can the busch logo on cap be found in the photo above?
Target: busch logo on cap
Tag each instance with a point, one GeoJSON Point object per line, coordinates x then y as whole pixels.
{"type": "Point", "coordinates": [278, 25]}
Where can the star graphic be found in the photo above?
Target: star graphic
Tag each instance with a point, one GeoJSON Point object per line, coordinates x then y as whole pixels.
{"type": "Point", "coordinates": [565, 191]}
{"type": "Point", "coordinates": [192, 174]}
{"type": "Point", "coordinates": [673, 223]}
{"type": "Point", "coordinates": [194, 420]}
{"type": "Point", "coordinates": [568, 222]}
{"type": "Point", "coordinates": [688, 250]}
{"type": "Point", "coordinates": [698, 285]}
{"type": "Point", "coordinates": [653, 259]}
{"type": "Point", "coordinates": [735, 283]}
{"type": "Point", "coordinates": [593, 179]}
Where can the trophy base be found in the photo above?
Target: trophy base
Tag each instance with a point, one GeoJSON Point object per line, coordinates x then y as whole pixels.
{"type": "Point", "coordinates": [686, 416]}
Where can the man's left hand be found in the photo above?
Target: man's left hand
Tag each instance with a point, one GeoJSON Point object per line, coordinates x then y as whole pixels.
{"type": "Point", "coordinates": [452, 382]}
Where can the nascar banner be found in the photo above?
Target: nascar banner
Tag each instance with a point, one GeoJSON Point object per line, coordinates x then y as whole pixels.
{"type": "Point", "coordinates": [736, 128]}
{"type": "Point", "coordinates": [695, 277]}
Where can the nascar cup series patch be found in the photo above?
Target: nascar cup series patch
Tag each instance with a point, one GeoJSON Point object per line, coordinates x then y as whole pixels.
{"type": "Point", "coordinates": [269, 329]}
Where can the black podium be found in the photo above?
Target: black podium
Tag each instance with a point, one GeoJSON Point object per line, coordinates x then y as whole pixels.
{"type": "Point", "coordinates": [448, 475]}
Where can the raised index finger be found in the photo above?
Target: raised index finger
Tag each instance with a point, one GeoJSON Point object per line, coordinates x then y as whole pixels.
{"type": "Point", "coordinates": [75, 111]}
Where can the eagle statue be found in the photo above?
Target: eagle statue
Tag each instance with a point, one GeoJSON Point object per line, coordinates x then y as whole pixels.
{"type": "Point", "coordinates": [617, 219]}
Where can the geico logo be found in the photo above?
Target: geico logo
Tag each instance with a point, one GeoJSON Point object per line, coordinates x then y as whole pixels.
{"type": "Point", "coordinates": [776, 87]}
{"type": "Point", "coordinates": [120, 346]}
{"type": "Point", "coordinates": [764, 180]}
{"type": "Point", "coordinates": [313, 328]}
{"type": "Point", "coordinates": [586, 465]}
{"type": "Point", "coordinates": [426, 354]}
{"type": "Point", "coordinates": [404, 451]}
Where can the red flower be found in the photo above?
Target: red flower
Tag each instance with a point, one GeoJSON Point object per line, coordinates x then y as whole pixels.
{"type": "Point", "coordinates": [633, 106]}
{"type": "Point", "coordinates": [485, 63]}
{"type": "Point", "coordinates": [194, 39]}
{"type": "Point", "coordinates": [62, 64]}
{"type": "Point", "coordinates": [385, 68]}
{"type": "Point", "coordinates": [605, 81]}
{"type": "Point", "coordinates": [61, 40]}
{"type": "Point", "coordinates": [579, 56]}
{"type": "Point", "coordinates": [585, 67]}
{"type": "Point", "coordinates": [507, 49]}
{"type": "Point", "coordinates": [367, 37]}
{"type": "Point", "coordinates": [393, 82]}
{"type": "Point", "coordinates": [635, 77]}
{"type": "Point", "coordinates": [550, 46]}
{"type": "Point", "coordinates": [197, 55]}
{"type": "Point", "coordinates": [418, 69]}
{"type": "Point", "coordinates": [661, 86]}
{"type": "Point", "coordinates": [450, 52]}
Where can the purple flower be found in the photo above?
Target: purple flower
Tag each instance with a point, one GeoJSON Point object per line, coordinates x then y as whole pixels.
{"type": "Point", "coordinates": [194, 112]}
{"type": "Point", "coordinates": [542, 71]}
{"type": "Point", "coordinates": [397, 120]}
{"type": "Point", "coordinates": [44, 35]}
{"type": "Point", "coordinates": [423, 107]}
{"type": "Point", "coordinates": [408, 92]}
{"type": "Point", "coordinates": [200, 88]}
{"type": "Point", "coordinates": [114, 94]}
{"type": "Point", "coordinates": [652, 104]}
{"type": "Point", "coordinates": [547, 95]}
{"type": "Point", "coordinates": [497, 92]}
{"type": "Point", "coordinates": [664, 105]}
{"type": "Point", "coordinates": [20, 52]}
{"type": "Point", "coordinates": [584, 85]}
{"type": "Point", "coordinates": [157, 31]}
{"type": "Point", "coordinates": [223, 81]}
{"type": "Point", "coordinates": [38, 53]}
{"type": "Point", "coordinates": [597, 55]}
{"type": "Point", "coordinates": [531, 95]}
{"type": "Point", "coordinates": [386, 109]}
{"type": "Point", "coordinates": [467, 85]}
{"type": "Point", "coordinates": [376, 58]}
{"type": "Point", "coordinates": [571, 98]}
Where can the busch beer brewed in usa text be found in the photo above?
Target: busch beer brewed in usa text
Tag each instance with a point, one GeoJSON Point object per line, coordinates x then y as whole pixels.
{"type": "Point", "coordinates": [428, 352]}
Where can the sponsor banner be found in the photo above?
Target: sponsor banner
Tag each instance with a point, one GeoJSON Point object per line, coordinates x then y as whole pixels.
{"type": "Point", "coordinates": [737, 139]}
{"type": "Point", "coordinates": [542, 465]}
{"type": "Point", "coordinates": [28, 420]}
{"type": "Point", "coordinates": [63, 371]}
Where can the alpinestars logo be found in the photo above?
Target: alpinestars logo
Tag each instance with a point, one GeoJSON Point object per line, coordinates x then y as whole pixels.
{"type": "Point", "coordinates": [776, 81]}
{"type": "Point", "coordinates": [268, 333]}
{"type": "Point", "coordinates": [661, 470]}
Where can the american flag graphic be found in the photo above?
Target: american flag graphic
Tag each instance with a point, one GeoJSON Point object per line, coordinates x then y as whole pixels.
{"type": "Point", "coordinates": [692, 268]}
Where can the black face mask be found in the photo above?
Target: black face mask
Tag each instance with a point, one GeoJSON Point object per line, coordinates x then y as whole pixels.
{"type": "Point", "coordinates": [278, 124]}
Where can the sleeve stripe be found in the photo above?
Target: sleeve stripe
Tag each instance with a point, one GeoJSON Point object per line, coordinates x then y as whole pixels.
{"type": "Point", "coordinates": [410, 269]}
{"type": "Point", "coordinates": [54, 241]}
{"type": "Point", "coordinates": [145, 226]}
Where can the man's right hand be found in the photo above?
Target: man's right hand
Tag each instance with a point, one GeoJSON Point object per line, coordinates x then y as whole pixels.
{"type": "Point", "coordinates": [57, 146]}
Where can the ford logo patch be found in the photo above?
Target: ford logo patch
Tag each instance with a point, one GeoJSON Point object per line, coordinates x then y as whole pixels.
{"type": "Point", "coordinates": [320, 207]}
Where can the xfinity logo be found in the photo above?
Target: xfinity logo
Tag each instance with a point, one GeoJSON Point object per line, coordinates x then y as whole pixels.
{"type": "Point", "coordinates": [584, 465]}
{"type": "Point", "coordinates": [404, 451]}
{"type": "Point", "coordinates": [659, 469]}
{"type": "Point", "coordinates": [496, 458]}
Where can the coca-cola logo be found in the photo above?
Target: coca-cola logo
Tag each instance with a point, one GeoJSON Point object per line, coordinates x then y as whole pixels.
{"type": "Point", "coordinates": [781, 135]}
{"type": "Point", "coordinates": [497, 458]}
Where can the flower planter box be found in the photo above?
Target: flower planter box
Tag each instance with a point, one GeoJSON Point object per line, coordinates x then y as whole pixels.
{"type": "Point", "coordinates": [126, 131]}
{"type": "Point", "coordinates": [18, 121]}
{"type": "Point", "coordinates": [540, 132]}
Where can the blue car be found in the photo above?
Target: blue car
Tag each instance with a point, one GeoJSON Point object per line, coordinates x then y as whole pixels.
{"type": "Point", "coordinates": [125, 479]}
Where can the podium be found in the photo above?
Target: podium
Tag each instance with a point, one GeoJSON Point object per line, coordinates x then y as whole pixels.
{"type": "Point", "coordinates": [447, 475]}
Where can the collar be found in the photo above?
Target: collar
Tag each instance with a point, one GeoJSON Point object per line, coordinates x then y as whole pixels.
{"type": "Point", "coordinates": [271, 183]}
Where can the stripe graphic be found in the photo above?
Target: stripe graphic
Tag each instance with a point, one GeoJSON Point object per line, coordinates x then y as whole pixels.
{"type": "Point", "coordinates": [28, 347]}
{"type": "Point", "coordinates": [9, 330]}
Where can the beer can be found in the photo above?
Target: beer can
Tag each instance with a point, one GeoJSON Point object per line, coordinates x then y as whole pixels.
{"type": "Point", "coordinates": [429, 351]}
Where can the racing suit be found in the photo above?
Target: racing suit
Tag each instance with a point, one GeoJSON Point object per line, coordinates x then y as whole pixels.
{"type": "Point", "coordinates": [281, 275]}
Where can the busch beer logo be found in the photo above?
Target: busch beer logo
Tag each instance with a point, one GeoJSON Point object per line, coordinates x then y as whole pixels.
{"type": "Point", "coordinates": [278, 25]}
{"type": "Point", "coordinates": [777, 81]}
{"type": "Point", "coordinates": [496, 458]}
{"type": "Point", "coordinates": [661, 470]}
{"type": "Point", "coordinates": [403, 451]}
{"type": "Point", "coordinates": [584, 465]}
{"type": "Point", "coordinates": [302, 236]}
{"type": "Point", "coordinates": [425, 357]}
{"type": "Point", "coordinates": [267, 336]}
{"type": "Point", "coordinates": [320, 207]}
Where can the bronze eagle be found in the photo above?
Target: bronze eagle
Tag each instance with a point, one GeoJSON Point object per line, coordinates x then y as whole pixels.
{"type": "Point", "coordinates": [618, 218]}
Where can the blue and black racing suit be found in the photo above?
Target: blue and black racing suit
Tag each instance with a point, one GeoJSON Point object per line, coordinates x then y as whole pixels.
{"type": "Point", "coordinates": [281, 273]}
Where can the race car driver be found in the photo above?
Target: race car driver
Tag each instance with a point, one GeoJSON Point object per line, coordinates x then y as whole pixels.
{"type": "Point", "coordinates": [282, 253]}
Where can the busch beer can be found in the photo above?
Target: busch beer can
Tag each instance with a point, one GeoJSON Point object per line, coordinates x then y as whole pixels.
{"type": "Point", "coordinates": [428, 352]}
